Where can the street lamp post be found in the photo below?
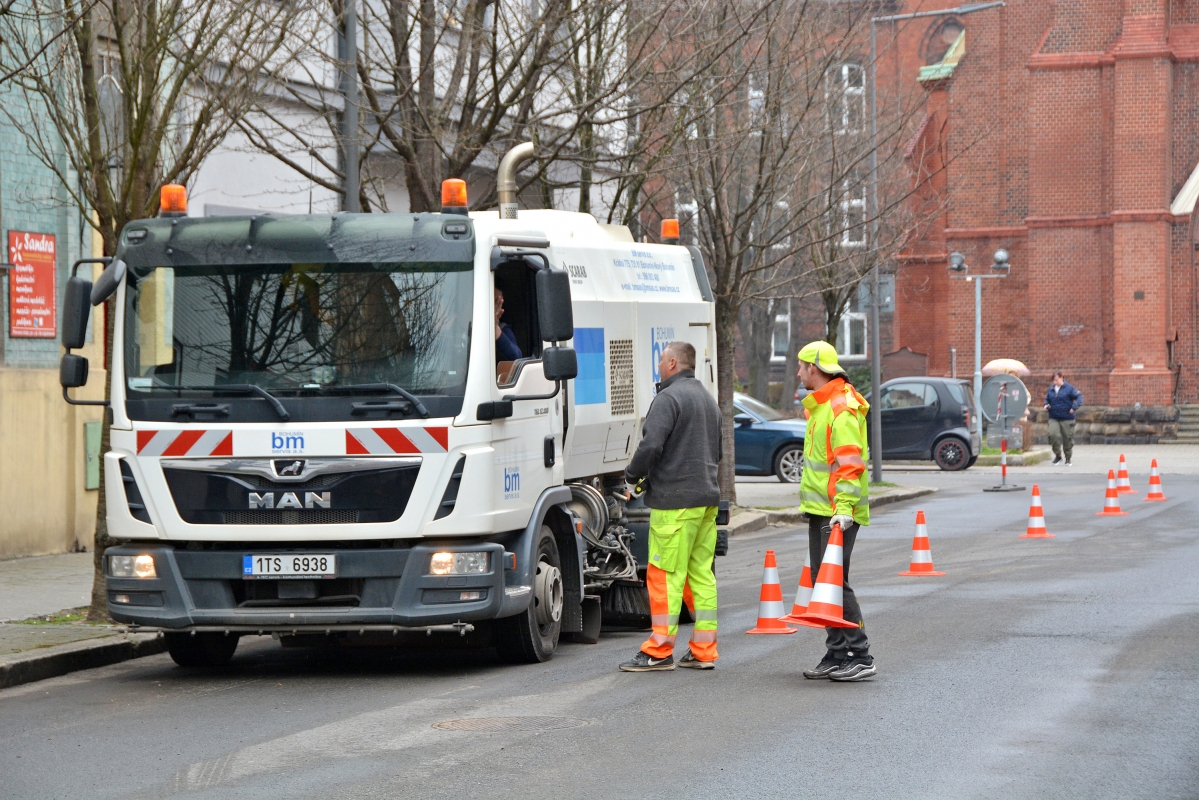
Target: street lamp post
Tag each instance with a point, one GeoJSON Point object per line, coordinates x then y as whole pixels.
{"type": "Point", "coordinates": [876, 369]}
{"type": "Point", "coordinates": [1000, 267]}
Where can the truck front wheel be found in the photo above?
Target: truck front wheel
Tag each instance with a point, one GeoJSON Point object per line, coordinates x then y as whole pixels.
{"type": "Point", "coordinates": [532, 636]}
{"type": "Point", "coordinates": [201, 649]}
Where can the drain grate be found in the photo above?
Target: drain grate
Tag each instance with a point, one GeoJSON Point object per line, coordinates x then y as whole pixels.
{"type": "Point", "coordinates": [489, 724]}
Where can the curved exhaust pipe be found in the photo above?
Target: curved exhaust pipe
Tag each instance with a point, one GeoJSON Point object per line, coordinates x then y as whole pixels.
{"type": "Point", "coordinates": [505, 178]}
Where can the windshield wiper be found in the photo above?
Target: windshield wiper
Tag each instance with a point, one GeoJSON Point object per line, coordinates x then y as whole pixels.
{"type": "Point", "coordinates": [369, 388]}
{"type": "Point", "coordinates": [236, 388]}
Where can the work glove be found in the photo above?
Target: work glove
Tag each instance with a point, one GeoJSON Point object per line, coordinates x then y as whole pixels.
{"type": "Point", "coordinates": [637, 489]}
{"type": "Point", "coordinates": [844, 520]}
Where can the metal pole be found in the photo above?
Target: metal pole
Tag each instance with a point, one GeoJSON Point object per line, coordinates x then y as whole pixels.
{"type": "Point", "coordinates": [876, 368]}
{"type": "Point", "coordinates": [978, 348]}
{"type": "Point", "coordinates": [349, 117]}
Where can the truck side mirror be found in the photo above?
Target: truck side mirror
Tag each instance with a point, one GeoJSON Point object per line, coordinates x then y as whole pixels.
{"type": "Point", "coordinates": [72, 371]}
{"type": "Point", "coordinates": [559, 363]}
{"type": "Point", "coordinates": [108, 282]}
{"type": "Point", "coordinates": [76, 308]}
{"type": "Point", "coordinates": [554, 310]}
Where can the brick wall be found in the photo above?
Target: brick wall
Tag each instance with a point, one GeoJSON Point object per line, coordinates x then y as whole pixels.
{"type": "Point", "coordinates": [1065, 133]}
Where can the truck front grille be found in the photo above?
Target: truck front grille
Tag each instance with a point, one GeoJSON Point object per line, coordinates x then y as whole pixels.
{"type": "Point", "coordinates": [290, 517]}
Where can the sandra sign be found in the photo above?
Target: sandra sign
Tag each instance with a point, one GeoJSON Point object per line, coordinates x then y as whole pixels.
{"type": "Point", "coordinates": [32, 310]}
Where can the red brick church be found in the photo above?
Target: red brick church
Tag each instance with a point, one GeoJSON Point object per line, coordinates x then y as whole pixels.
{"type": "Point", "coordinates": [1065, 131]}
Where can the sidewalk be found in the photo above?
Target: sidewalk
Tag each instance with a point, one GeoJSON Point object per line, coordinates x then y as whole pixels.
{"type": "Point", "coordinates": [50, 641]}
{"type": "Point", "coordinates": [42, 585]}
{"type": "Point", "coordinates": [746, 520]}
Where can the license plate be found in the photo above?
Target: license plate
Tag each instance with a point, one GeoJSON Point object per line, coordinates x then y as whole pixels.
{"type": "Point", "coordinates": [303, 565]}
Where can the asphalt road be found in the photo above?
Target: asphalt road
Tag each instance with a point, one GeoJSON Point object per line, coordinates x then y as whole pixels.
{"type": "Point", "coordinates": [1036, 668]}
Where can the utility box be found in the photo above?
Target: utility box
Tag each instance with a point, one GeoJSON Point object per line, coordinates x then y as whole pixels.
{"type": "Point", "coordinates": [91, 454]}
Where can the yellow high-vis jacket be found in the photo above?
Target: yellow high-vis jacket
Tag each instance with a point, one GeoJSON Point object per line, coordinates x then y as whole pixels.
{"type": "Point", "coordinates": [834, 470]}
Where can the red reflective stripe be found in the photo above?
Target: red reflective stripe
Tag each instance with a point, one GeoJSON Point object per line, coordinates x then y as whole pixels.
{"type": "Point", "coordinates": [354, 447]}
{"type": "Point", "coordinates": [143, 439]}
{"type": "Point", "coordinates": [225, 447]}
{"type": "Point", "coordinates": [397, 441]}
{"type": "Point", "coordinates": [183, 442]}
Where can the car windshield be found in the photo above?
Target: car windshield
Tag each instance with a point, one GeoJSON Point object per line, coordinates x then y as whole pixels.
{"type": "Point", "coordinates": [758, 409]}
{"type": "Point", "coordinates": [299, 327]}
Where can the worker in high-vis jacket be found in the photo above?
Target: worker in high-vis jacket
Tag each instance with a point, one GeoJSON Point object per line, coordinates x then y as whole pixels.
{"type": "Point", "coordinates": [676, 464]}
{"type": "Point", "coordinates": [833, 491]}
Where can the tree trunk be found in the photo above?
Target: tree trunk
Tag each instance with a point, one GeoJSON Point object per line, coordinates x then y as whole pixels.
{"type": "Point", "coordinates": [98, 609]}
{"type": "Point", "coordinates": [757, 327]}
{"type": "Point", "coordinates": [726, 317]}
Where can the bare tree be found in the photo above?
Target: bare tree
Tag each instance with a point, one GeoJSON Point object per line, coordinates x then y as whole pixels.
{"type": "Point", "coordinates": [770, 172]}
{"type": "Point", "coordinates": [447, 87]}
{"type": "Point", "coordinates": [123, 96]}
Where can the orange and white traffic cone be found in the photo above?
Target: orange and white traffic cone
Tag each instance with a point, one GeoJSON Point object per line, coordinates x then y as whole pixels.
{"type": "Point", "coordinates": [1122, 484]}
{"type": "Point", "coordinates": [1036, 518]}
{"type": "Point", "coordinates": [921, 564]}
{"type": "Point", "coordinates": [770, 601]}
{"type": "Point", "coordinates": [1155, 485]}
{"type": "Point", "coordinates": [1111, 501]}
{"type": "Point", "coordinates": [803, 595]}
{"type": "Point", "coordinates": [825, 606]}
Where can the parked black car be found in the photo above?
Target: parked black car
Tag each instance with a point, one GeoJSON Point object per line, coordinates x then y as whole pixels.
{"type": "Point", "coordinates": [929, 419]}
{"type": "Point", "coordinates": [766, 441]}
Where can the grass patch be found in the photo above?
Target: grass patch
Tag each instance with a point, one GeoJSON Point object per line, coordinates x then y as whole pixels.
{"type": "Point", "coordinates": [886, 484]}
{"type": "Point", "coordinates": [61, 618]}
{"type": "Point", "coordinates": [994, 451]}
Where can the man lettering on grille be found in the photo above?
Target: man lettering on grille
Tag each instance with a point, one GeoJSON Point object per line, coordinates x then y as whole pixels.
{"type": "Point", "coordinates": [677, 457]}
{"type": "Point", "coordinates": [833, 491]}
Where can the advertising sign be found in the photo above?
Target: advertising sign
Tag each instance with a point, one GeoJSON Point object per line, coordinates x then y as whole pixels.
{"type": "Point", "coordinates": [32, 290]}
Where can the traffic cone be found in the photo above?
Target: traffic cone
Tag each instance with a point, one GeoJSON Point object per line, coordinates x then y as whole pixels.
{"type": "Point", "coordinates": [770, 601]}
{"type": "Point", "coordinates": [1036, 518]}
{"type": "Point", "coordinates": [825, 605]}
{"type": "Point", "coordinates": [1155, 485]}
{"type": "Point", "coordinates": [1111, 501]}
{"type": "Point", "coordinates": [1122, 484]}
{"type": "Point", "coordinates": [803, 595]}
{"type": "Point", "coordinates": [922, 555]}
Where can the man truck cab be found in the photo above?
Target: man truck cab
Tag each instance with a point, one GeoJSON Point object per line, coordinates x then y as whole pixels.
{"type": "Point", "coordinates": [310, 438]}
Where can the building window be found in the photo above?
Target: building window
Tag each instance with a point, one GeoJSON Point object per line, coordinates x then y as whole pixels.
{"type": "Point", "coordinates": [851, 339]}
{"type": "Point", "coordinates": [781, 337]}
{"type": "Point", "coordinates": [847, 98]}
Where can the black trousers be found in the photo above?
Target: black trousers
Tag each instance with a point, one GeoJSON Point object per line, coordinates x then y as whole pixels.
{"type": "Point", "coordinates": [840, 641]}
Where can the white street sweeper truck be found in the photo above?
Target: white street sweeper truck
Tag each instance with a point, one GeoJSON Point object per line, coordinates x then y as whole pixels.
{"type": "Point", "coordinates": [317, 434]}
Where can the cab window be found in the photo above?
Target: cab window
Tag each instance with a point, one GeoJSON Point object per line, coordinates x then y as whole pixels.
{"type": "Point", "coordinates": [908, 395]}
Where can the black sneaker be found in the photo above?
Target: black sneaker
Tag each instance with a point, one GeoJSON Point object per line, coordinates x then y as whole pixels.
{"type": "Point", "coordinates": [691, 662]}
{"type": "Point", "coordinates": [855, 668]}
{"type": "Point", "coordinates": [830, 662]}
{"type": "Point", "coordinates": [1068, 464]}
{"type": "Point", "coordinates": [643, 662]}
{"type": "Point", "coordinates": [1057, 459]}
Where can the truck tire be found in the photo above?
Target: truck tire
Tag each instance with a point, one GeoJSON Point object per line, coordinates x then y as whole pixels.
{"type": "Point", "coordinates": [201, 649]}
{"type": "Point", "coordinates": [531, 636]}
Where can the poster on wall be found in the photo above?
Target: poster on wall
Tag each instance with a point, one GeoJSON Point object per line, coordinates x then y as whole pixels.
{"type": "Point", "coordinates": [32, 306]}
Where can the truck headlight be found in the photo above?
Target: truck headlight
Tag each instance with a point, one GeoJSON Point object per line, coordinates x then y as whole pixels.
{"type": "Point", "coordinates": [458, 564]}
{"type": "Point", "coordinates": [141, 566]}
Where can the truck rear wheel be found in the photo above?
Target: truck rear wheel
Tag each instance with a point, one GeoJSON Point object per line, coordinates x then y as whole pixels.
{"type": "Point", "coordinates": [532, 635]}
{"type": "Point", "coordinates": [201, 649]}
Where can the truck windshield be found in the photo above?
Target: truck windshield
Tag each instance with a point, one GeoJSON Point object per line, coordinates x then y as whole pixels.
{"type": "Point", "coordinates": [294, 328]}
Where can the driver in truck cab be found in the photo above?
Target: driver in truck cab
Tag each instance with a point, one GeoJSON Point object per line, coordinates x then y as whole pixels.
{"type": "Point", "coordinates": [678, 457]}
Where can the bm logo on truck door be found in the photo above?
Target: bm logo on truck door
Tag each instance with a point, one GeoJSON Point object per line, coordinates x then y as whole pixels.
{"type": "Point", "coordinates": [287, 443]}
{"type": "Point", "coordinates": [511, 483]}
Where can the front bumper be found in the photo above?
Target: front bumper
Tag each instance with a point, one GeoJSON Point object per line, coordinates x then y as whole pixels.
{"type": "Point", "coordinates": [376, 588]}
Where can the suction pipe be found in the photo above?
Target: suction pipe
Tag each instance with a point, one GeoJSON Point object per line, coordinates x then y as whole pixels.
{"type": "Point", "coordinates": [505, 179]}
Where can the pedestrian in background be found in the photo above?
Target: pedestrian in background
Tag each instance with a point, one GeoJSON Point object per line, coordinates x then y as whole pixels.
{"type": "Point", "coordinates": [677, 459]}
{"type": "Point", "coordinates": [833, 490]}
{"type": "Point", "coordinates": [1062, 401]}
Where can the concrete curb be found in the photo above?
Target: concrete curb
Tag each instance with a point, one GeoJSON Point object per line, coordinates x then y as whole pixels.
{"type": "Point", "coordinates": [754, 519]}
{"type": "Point", "coordinates": [1016, 459]}
{"type": "Point", "coordinates": [50, 662]}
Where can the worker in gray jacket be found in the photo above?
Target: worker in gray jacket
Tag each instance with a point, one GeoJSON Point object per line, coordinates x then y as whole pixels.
{"type": "Point", "coordinates": [678, 457]}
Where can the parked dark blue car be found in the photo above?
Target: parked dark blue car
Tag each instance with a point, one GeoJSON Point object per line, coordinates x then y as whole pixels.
{"type": "Point", "coordinates": [767, 442]}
